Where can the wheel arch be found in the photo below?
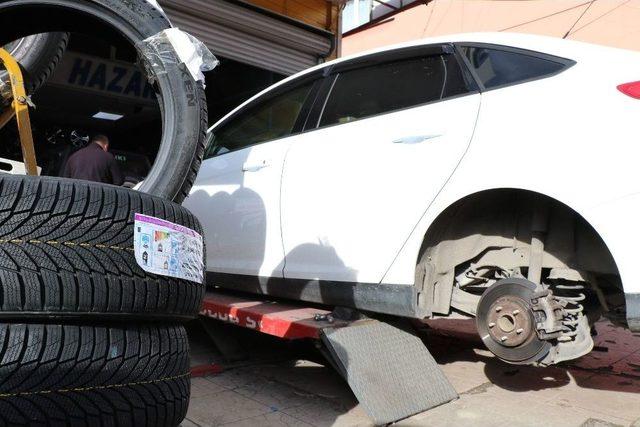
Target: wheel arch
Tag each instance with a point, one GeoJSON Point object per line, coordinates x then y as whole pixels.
{"type": "Point", "coordinates": [495, 218]}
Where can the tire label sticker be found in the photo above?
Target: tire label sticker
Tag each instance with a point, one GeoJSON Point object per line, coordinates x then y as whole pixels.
{"type": "Point", "coordinates": [167, 249]}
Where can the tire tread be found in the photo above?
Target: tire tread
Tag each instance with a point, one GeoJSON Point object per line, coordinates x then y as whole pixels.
{"type": "Point", "coordinates": [66, 248]}
{"type": "Point", "coordinates": [83, 375]}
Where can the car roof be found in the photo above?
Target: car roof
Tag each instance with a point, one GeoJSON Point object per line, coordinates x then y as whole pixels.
{"type": "Point", "coordinates": [569, 49]}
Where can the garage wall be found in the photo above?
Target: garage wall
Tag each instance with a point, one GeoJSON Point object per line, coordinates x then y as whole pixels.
{"type": "Point", "coordinates": [317, 13]}
{"type": "Point", "coordinates": [249, 36]}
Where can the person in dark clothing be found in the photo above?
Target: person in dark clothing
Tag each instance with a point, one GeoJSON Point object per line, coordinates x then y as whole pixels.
{"type": "Point", "coordinates": [94, 163]}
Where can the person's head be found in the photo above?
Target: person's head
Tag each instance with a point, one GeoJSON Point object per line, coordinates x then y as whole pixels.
{"type": "Point", "coordinates": [102, 141]}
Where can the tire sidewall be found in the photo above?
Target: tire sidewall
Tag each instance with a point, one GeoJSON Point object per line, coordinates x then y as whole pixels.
{"type": "Point", "coordinates": [179, 95]}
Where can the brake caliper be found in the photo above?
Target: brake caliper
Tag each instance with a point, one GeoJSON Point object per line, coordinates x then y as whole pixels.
{"type": "Point", "coordinates": [548, 314]}
{"type": "Point", "coordinates": [561, 319]}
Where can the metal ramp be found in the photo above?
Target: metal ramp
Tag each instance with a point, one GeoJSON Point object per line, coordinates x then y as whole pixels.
{"type": "Point", "coordinates": [388, 368]}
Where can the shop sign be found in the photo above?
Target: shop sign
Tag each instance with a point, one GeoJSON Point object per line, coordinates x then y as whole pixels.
{"type": "Point", "coordinates": [105, 76]}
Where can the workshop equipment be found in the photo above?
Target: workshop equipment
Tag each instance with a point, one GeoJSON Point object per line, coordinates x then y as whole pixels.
{"type": "Point", "coordinates": [19, 108]}
{"type": "Point", "coordinates": [387, 366]}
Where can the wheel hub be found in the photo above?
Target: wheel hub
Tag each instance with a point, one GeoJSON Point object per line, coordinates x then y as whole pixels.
{"type": "Point", "coordinates": [506, 324]}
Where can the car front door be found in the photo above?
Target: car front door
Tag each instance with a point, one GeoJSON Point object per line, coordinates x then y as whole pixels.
{"type": "Point", "coordinates": [236, 195]}
{"type": "Point", "coordinates": [390, 133]}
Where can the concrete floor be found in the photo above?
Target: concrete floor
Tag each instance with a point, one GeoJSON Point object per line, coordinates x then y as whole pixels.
{"type": "Point", "coordinates": [276, 386]}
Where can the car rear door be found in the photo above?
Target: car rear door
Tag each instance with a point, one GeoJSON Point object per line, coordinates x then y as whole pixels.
{"type": "Point", "coordinates": [236, 195]}
{"type": "Point", "coordinates": [390, 132]}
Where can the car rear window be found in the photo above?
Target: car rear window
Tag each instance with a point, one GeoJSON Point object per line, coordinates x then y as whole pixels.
{"type": "Point", "coordinates": [391, 86]}
{"type": "Point", "coordinates": [497, 68]}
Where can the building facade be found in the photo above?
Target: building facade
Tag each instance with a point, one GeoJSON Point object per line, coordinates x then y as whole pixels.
{"type": "Point", "coordinates": [607, 22]}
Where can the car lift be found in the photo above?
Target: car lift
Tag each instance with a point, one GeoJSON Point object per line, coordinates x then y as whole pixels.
{"type": "Point", "coordinates": [20, 109]}
{"type": "Point", "coordinates": [388, 368]}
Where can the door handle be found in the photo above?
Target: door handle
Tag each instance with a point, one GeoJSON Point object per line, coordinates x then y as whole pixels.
{"type": "Point", "coordinates": [254, 167]}
{"type": "Point", "coordinates": [415, 139]}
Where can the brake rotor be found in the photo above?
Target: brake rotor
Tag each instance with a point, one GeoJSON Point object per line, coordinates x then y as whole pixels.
{"type": "Point", "coordinates": [506, 322]}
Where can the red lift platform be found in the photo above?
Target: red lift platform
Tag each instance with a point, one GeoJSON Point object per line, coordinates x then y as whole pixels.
{"type": "Point", "coordinates": [388, 368]}
{"type": "Point", "coordinates": [269, 317]}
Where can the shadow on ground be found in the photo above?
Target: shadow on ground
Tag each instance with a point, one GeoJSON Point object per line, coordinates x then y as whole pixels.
{"type": "Point", "coordinates": [285, 383]}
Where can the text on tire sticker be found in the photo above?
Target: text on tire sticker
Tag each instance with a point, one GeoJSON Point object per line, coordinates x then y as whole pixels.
{"type": "Point", "coordinates": [168, 249]}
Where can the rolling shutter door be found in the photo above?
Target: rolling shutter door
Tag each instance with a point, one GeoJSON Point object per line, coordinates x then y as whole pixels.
{"type": "Point", "coordinates": [248, 36]}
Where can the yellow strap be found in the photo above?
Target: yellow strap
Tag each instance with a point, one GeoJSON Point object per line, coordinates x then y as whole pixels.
{"type": "Point", "coordinates": [20, 107]}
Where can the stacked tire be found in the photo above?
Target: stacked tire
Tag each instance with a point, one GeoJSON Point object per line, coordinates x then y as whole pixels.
{"type": "Point", "coordinates": [87, 337]}
{"type": "Point", "coordinates": [38, 56]}
{"type": "Point", "coordinates": [182, 99]}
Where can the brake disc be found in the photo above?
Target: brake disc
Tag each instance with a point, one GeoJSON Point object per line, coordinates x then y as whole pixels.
{"type": "Point", "coordinates": [507, 324]}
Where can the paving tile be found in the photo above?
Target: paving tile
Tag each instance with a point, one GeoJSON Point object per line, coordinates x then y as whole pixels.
{"type": "Point", "coordinates": [202, 387]}
{"type": "Point", "coordinates": [273, 419]}
{"type": "Point", "coordinates": [462, 383]}
{"type": "Point", "coordinates": [460, 413]}
{"type": "Point", "coordinates": [597, 391]}
{"type": "Point", "coordinates": [629, 366]}
{"type": "Point", "coordinates": [275, 395]}
{"type": "Point", "coordinates": [224, 407]}
{"type": "Point", "coordinates": [597, 422]}
{"type": "Point", "coordinates": [599, 360]}
{"type": "Point", "coordinates": [495, 399]}
{"type": "Point", "coordinates": [560, 414]}
{"type": "Point", "coordinates": [234, 378]}
{"type": "Point", "coordinates": [493, 406]}
{"type": "Point", "coordinates": [611, 395]}
{"type": "Point", "coordinates": [466, 373]}
{"type": "Point", "coordinates": [612, 344]}
{"type": "Point", "coordinates": [325, 414]}
{"type": "Point", "coordinates": [526, 384]}
{"type": "Point", "coordinates": [310, 377]}
{"type": "Point", "coordinates": [611, 335]}
{"type": "Point", "coordinates": [353, 417]}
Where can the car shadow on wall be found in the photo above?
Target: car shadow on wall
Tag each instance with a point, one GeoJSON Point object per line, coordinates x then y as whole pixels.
{"type": "Point", "coordinates": [310, 288]}
{"type": "Point", "coordinates": [238, 238]}
{"type": "Point", "coordinates": [239, 233]}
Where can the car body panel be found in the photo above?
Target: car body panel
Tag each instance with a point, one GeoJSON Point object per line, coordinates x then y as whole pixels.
{"type": "Point", "coordinates": [240, 209]}
{"type": "Point", "coordinates": [352, 193]}
{"type": "Point", "coordinates": [559, 144]}
{"type": "Point", "coordinates": [547, 136]}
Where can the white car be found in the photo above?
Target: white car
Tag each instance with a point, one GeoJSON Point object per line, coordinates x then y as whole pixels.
{"type": "Point", "coordinates": [494, 176]}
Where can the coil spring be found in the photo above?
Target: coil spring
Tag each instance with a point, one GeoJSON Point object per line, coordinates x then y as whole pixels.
{"type": "Point", "coordinates": [572, 296]}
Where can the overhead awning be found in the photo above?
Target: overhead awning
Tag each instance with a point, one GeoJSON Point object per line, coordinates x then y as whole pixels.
{"type": "Point", "coordinates": [250, 35]}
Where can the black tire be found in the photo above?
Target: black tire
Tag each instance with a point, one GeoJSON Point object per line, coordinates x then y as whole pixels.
{"type": "Point", "coordinates": [93, 375]}
{"type": "Point", "coordinates": [38, 55]}
{"type": "Point", "coordinates": [182, 99]}
{"type": "Point", "coordinates": [66, 251]}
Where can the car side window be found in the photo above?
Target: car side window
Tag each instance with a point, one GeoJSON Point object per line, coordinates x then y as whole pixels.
{"type": "Point", "coordinates": [272, 119]}
{"type": "Point", "coordinates": [391, 86]}
{"type": "Point", "coordinates": [495, 67]}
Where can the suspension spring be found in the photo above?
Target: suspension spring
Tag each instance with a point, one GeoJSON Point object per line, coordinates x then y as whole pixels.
{"type": "Point", "coordinates": [570, 295]}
